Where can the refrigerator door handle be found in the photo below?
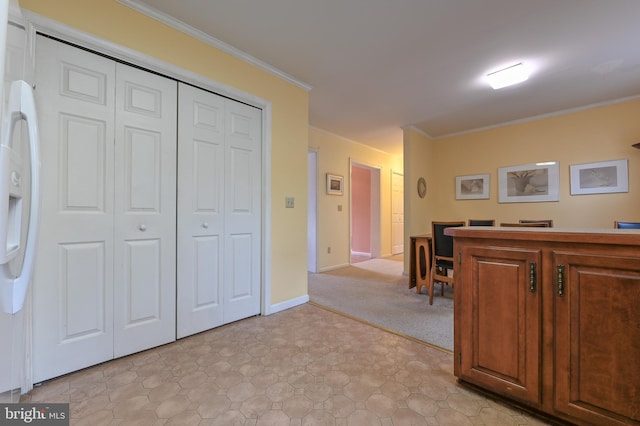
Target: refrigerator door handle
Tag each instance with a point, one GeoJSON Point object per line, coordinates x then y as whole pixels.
{"type": "Point", "coordinates": [21, 107]}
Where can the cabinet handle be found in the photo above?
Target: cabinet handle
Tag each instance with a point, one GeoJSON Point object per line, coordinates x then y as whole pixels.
{"type": "Point", "coordinates": [560, 269]}
{"type": "Point", "coordinates": [533, 277]}
{"type": "Point", "coordinates": [142, 227]}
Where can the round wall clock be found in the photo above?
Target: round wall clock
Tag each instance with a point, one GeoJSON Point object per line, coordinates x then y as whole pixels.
{"type": "Point", "coordinates": [422, 187]}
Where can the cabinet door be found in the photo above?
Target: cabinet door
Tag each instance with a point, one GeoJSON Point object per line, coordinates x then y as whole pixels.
{"type": "Point", "coordinates": [500, 321]}
{"type": "Point", "coordinates": [597, 338]}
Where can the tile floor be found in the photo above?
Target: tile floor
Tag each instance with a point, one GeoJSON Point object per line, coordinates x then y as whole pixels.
{"type": "Point", "coordinates": [302, 366]}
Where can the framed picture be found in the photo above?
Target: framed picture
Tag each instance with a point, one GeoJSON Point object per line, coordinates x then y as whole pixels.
{"type": "Point", "coordinates": [599, 178]}
{"type": "Point", "coordinates": [529, 183]}
{"type": "Point", "coordinates": [335, 184]}
{"type": "Point", "coordinates": [472, 187]}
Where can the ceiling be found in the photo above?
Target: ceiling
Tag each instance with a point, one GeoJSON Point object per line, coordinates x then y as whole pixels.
{"type": "Point", "coordinates": [377, 66]}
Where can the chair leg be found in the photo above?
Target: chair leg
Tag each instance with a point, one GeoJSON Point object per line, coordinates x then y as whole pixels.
{"type": "Point", "coordinates": [430, 286]}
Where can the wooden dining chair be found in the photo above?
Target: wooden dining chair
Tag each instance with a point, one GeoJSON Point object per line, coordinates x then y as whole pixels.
{"type": "Point", "coordinates": [547, 221]}
{"type": "Point", "coordinates": [442, 260]}
{"type": "Point", "coordinates": [482, 222]}
{"type": "Point", "coordinates": [526, 225]}
{"type": "Point", "coordinates": [618, 224]}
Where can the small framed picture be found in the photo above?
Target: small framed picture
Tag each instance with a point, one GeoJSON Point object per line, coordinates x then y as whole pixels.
{"type": "Point", "coordinates": [529, 183]}
{"type": "Point", "coordinates": [335, 184]}
{"type": "Point", "coordinates": [472, 187]}
{"type": "Point", "coordinates": [599, 178]}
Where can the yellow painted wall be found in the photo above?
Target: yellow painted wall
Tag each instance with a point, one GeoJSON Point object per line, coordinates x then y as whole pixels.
{"type": "Point", "coordinates": [334, 156]}
{"type": "Point", "coordinates": [598, 134]}
{"type": "Point", "coordinates": [111, 21]}
{"type": "Point", "coordinates": [418, 159]}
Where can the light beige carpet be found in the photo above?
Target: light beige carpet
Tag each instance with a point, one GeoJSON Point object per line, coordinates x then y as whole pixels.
{"type": "Point", "coordinates": [376, 291]}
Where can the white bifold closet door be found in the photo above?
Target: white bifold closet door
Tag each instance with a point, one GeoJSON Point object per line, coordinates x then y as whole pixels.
{"type": "Point", "coordinates": [219, 210]}
{"type": "Point", "coordinates": [104, 282]}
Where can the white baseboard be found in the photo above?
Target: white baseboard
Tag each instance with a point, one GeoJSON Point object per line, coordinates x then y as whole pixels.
{"type": "Point", "coordinates": [287, 304]}
{"type": "Point", "coordinates": [331, 268]}
{"type": "Point", "coordinates": [10, 396]}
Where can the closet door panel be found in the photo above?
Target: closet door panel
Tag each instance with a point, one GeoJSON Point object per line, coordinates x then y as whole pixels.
{"type": "Point", "coordinates": [73, 275]}
{"type": "Point", "coordinates": [243, 207]}
{"type": "Point", "coordinates": [201, 187]}
{"type": "Point", "coordinates": [82, 290]}
{"type": "Point", "coordinates": [145, 218]}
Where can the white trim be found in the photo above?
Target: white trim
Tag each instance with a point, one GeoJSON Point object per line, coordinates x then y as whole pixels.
{"type": "Point", "coordinates": [63, 32]}
{"type": "Point", "coordinates": [266, 212]}
{"type": "Point", "coordinates": [331, 268]}
{"type": "Point", "coordinates": [526, 119]}
{"type": "Point", "coordinates": [335, 135]}
{"type": "Point", "coordinates": [419, 131]}
{"type": "Point", "coordinates": [287, 304]}
{"type": "Point", "coordinates": [360, 253]}
{"type": "Point", "coordinates": [212, 41]}
{"type": "Point", "coordinates": [79, 38]}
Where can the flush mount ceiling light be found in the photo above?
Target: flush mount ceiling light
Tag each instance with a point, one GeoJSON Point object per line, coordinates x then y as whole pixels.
{"type": "Point", "coordinates": [508, 76]}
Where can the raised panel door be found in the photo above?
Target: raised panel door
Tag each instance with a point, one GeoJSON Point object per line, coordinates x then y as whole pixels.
{"type": "Point", "coordinates": [201, 187]}
{"type": "Point", "coordinates": [219, 210]}
{"type": "Point", "coordinates": [243, 211]}
{"type": "Point", "coordinates": [597, 338]}
{"type": "Point", "coordinates": [72, 282]}
{"type": "Point", "coordinates": [499, 320]}
{"type": "Point", "coordinates": [145, 210]}
{"type": "Point", "coordinates": [397, 213]}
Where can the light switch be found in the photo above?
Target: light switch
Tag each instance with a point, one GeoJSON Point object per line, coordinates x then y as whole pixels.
{"type": "Point", "coordinates": [288, 202]}
{"type": "Point", "coordinates": [339, 207]}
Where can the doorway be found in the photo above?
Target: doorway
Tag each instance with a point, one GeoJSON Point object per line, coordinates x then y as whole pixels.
{"type": "Point", "coordinates": [365, 212]}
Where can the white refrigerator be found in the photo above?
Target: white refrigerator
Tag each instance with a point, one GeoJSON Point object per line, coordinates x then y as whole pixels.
{"type": "Point", "coordinates": [19, 201]}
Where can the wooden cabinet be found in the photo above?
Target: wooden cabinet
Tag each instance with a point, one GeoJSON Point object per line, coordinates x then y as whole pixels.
{"type": "Point", "coordinates": [501, 321]}
{"type": "Point", "coordinates": [550, 319]}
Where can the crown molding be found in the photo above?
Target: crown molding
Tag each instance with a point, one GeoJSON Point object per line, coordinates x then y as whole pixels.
{"type": "Point", "coordinates": [212, 41]}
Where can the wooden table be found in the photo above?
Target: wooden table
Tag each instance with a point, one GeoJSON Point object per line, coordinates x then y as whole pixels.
{"type": "Point", "coordinates": [419, 261]}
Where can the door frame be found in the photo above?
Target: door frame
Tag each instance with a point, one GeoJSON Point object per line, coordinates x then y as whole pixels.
{"type": "Point", "coordinates": [312, 211]}
{"type": "Point", "coordinates": [49, 27]}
